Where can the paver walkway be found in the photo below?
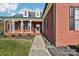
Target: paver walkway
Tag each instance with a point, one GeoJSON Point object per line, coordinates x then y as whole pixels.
{"type": "Point", "coordinates": [38, 47]}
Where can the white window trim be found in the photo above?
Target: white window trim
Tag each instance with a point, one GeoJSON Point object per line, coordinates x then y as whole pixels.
{"type": "Point", "coordinates": [37, 12]}
{"type": "Point", "coordinates": [24, 13]}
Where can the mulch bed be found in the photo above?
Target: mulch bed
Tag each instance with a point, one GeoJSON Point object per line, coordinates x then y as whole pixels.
{"type": "Point", "coordinates": [62, 51]}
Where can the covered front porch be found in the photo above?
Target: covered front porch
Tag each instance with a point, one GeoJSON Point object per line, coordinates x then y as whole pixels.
{"type": "Point", "coordinates": [22, 27]}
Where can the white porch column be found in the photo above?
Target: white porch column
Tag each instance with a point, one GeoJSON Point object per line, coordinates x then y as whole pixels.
{"type": "Point", "coordinates": [21, 26]}
{"type": "Point", "coordinates": [30, 26]}
{"type": "Point", "coordinates": [13, 26]}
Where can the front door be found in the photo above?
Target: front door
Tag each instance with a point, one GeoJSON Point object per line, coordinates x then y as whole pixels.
{"type": "Point", "coordinates": [37, 28]}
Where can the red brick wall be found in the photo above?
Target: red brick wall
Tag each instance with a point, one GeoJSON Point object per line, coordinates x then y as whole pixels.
{"type": "Point", "coordinates": [49, 31]}
{"type": "Point", "coordinates": [64, 36]}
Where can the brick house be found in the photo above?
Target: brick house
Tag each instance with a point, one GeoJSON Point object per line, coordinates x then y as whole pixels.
{"type": "Point", "coordinates": [61, 23]}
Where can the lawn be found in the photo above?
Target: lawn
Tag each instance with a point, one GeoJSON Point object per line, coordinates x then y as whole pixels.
{"type": "Point", "coordinates": [14, 47]}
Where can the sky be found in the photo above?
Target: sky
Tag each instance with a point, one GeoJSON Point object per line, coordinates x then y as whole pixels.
{"type": "Point", "coordinates": [11, 9]}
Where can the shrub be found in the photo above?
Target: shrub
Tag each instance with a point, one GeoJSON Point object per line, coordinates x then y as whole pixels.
{"type": "Point", "coordinates": [29, 35]}
{"type": "Point", "coordinates": [13, 35]}
{"type": "Point", "coordinates": [5, 36]}
{"type": "Point", "coordinates": [1, 33]}
{"type": "Point", "coordinates": [19, 35]}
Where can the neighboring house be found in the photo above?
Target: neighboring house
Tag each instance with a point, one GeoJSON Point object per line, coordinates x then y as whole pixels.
{"type": "Point", "coordinates": [61, 23]}
{"type": "Point", "coordinates": [21, 24]}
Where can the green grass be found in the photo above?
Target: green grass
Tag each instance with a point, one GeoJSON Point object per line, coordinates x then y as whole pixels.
{"type": "Point", "coordinates": [14, 47]}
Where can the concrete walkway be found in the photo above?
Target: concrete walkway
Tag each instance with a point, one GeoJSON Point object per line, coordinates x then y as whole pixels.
{"type": "Point", "coordinates": [38, 47]}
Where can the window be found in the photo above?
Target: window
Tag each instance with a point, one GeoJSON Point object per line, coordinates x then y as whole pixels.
{"type": "Point", "coordinates": [30, 15]}
{"type": "Point", "coordinates": [76, 13]}
{"type": "Point", "coordinates": [8, 26]}
{"type": "Point", "coordinates": [71, 19]}
{"type": "Point", "coordinates": [74, 18]}
{"type": "Point", "coordinates": [46, 23]}
{"type": "Point", "coordinates": [25, 13]}
{"type": "Point", "coordinates": [37, 13]}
